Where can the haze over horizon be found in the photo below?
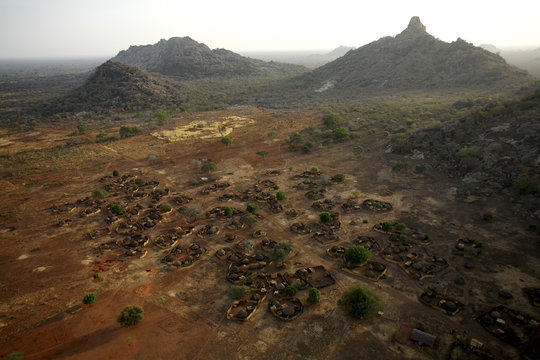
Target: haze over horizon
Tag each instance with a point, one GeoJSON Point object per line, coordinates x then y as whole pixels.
{"type": "Point", "coordinates": [69, 29]}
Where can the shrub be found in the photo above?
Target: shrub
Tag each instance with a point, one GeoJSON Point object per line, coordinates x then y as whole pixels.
{"type": "Point", "coordinates": [95, 276]}
{"type": "Point", "coordinates": [280, 195]}
{"type": "Point", "coordinates": [240, 290]}
{"type": "Point", "coordinates": [357, 254]}
{"type": "Point", "coordinates": [473, 151]}
{"type": "Point", "coordinates": [325, 216]}
{"type": "Point", "coordinates": [192, 210]}
{"type": "Point", "coordinates": [401, 166]}
{"type": "Point", "coordinates": [252, 207]}
{"type": "Point", "coordinates": [280, 252]}
{"type": "Point", "coordinates": [487, 216]}
{"type": "Point", "coordinates": [305, 149]}
{"type": "Point", "coordinates": [314, 170]}
{"type": "Point", "coordinates": [420, 169]}
{"type": "Point", "coordinates": [228, 211]}
{"type": "Point", "coordinates": [159, 191]}
{"type": "Point", "coordinates": [339, 134]}
{"type": "Point", "coordinates": [524, 185]}
{"type": "Point", "coordinates": [209, 166]}
{"type": "Point", "coordinates": [356, 193]}
{"type": "Point", "coordinates": [403, 238]}
{"type": "Point", "coordinates": [115, 173]}
{"type": "Point", "coordinates": [400, 226]}
{"type": "Point", "coordinates": [400, 144]}
{"type": "Point", "coordinates": [17, 355]}
{"type": "Point", "coordinates": [248, 219]}
{"type": "Point", "coordinates": [82, 127]}
{"type": "Point", "coordinates": [314, 296]}
{"type": "Point", "coordinates": [387, 226]}
{"type": "Point", "coordinates": [338, 177]}
{"type": "Point", "coordinates": [126, 131]}
{"type": "Point", "coordinates": [226, 140]}
{"type": "Point", "coordinates": [161, 116]}
{"type": "Point", "coordinates": [140, 182]}
{"type": "Point", "coordinates": [130, 315]}
{"type": "Point", "coordinates": [331, 120]}
{"type": "Point", "coordinates": [100, 193]}
{"type": "Point", "coordinates": [295, 140]}
{"type": "Point", "coordinates": [291, 290]}
{"type": "Point", "coordinates": [101, 135]}
{"type": "Point", "coordinates": [359, 301]}
{"type": "Point", "coordinates": [165, 207]}
{"type": "Point", "coordinates": [89, 298]}
{"type": "Point", "coordinates": [117, 209]}
{"type": "Point", "coordinates": [262, 153]}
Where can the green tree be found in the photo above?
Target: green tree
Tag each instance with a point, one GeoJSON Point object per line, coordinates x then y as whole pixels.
{"type": "Point", "coordinates": [262, 153]}
{"type": "Point", "coordinates": [252, 207]}
{"type": "Point", "coordinates": [209, 166]}
{"type": "Point", "coordinates": [131, 315]}
{"type": "Point", "coordinates": [165, 207]}
{"type": "Point", "coordinates": [82, 128]}
{"type": "Point", "coordinates": [280, 252]}
{"type": "Point", "coordinates": [360, 301]}
{"type": "Point", "coordinates": [357, 254]}
{"type": "Point", "coordinates": [248, 219]}
{"type": "Point", "coordinates": [338, 177]}
{"type": "Point", "coordinates": [400, 144]}
{"type": "Point", "coordinates": [100, 193]}
{"type": "Point", "coordinates": [101, 135]}
{"type": "Point", "coordinates": [387, 226]}
{"type": "Point", "coordinates": [325, 216]}
{"type": "Point", "coordinates": [291, 290]}
{"type": "Point", "coordinates": [280, 195]}
{"type": "Point", "coordinates": [115, 173]}
{"type": "Point", "coordinates": [226, 140]}
{"type": "Point", "coordinates": [400, 226]}
{"type": "Point", "coordinates": [314, 170]}
{"type": "Point", "coordinates": [340, 133]}
{"type": "Point", "coordinates": [228, 211]}
{"type": "Point", "coordinates": [140, 182]}
{"type": "Point", "coordinates": [117, 209]}
{"type": "Point", "coordinates": [331, 120]}
{"type": "Point", "coordinates": [240, 290]}
{"type": "Point", "coordinates": [89, 298]}
{"type": "Point", "coordinates": [314, 296]}
{"type": "Point", "coordinates": [161, 115]}
{"type": "Point", "coordinates": [17, 355]}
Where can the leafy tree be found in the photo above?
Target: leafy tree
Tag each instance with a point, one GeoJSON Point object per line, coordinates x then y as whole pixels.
{"type": "Point", "coordinates": [117, 209]}
{"type": "Point", "coordinates": [248, 219]}
{"type": "Point", "coordinates": [331, 120]}
{"type": "Point", "coordinates": [357, 254]}
{"type": "Point", "coordinates": [209, 166]}
{"type": "Point", "coordinates": [339, 134]}
{"type": "Point", "coordinates": [295, 140]}
{"type": "Point", "coordinates": [140, 182]}
{"type": "Point", "coordinates": [131, 315]}
{"type": "Point", "coordinates": [291, 290]}
{"type": "Point", "coordinates": [100, 193]}
{"type": "Point", "coordinates": [403, 238]}
{"type": "Point", "coordinates": [82, 128]}
{"type": "Point", "coordinates": [387, 226]}
{"type": "Point", "coordinates": [360, 301]}
{"type": "Point", "coordinates": [400, 144]}
{"type": "Point", "coordinates": [280, 195]}
{"type": "Point", "coordinates": [262, 153]}
{"type": "Point", "coordinates": [17, 355]}
{"type": "Point", "coordinates": [126, 131]}
{"type": "Point", "coordinates": [325, 216]}
{"type": "Point", "coordinates": [280, 252]}
{"type": "Point", "coordinates": [226, 140]}
{"type": "Point", "coordinates": [165, 207]}
{"type": "Point", "coordinates": [400, 226]}
{"type": "Point", "coordinates": [252, 207]}
{"type": "Point", "coordinates": [228, 211]}
{"type": "Point", "coordinates": [101, 135]}
{"type": "Point", "coordinates": [314, 170]}
{"type": "Point", "coordinates": [238, 291]}
{"type": "Point", "coordinates": [314, 296]}
{"type": "Point", "coordinates": [338, 177]}
{"type": "Point", "coordinates": [89, 298]}
{"type": "Point", "coordinates": [161, 115]}
{"type": "Point", "coordinates": [115, 173]}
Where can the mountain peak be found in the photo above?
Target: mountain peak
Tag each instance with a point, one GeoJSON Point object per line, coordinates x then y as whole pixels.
{"type": "Point", "coordinates": [416, 25]}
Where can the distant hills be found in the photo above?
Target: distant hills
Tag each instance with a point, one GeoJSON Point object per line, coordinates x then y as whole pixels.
{"type": "Point", "coordinates": [415, 59]}
{"type": "Point", "coordinates": [185, 58]}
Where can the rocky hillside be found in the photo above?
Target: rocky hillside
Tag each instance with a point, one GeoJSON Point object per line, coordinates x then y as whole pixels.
{"type": "Point", "coordinates": [493, 147]}
{"type": "Point", "coordinates": [185, 58]}
{"type": "Point", "coordinates": [415, 59]}
{"type": "Point", "coordinates": [114, 85]}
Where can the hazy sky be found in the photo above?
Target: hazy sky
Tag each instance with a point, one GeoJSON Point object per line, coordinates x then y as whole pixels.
{"type": "Point", "coordinates": [72, 28]}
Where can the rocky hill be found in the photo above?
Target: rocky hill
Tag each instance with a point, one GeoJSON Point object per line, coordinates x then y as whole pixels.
{"type": "Point", "coordinates": [115, 85]}
{"type": "Point", "coordinates": [415, 59]}
{"type": "Point", "coordinates": [185, 58]}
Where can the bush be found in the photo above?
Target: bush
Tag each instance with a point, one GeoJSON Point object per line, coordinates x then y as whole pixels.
{"type": "Point", "coordinates": [314, 170]}
{"type": "Point", "coordinates": [400, 144]}
{"type": "Point", "coordinates": [101, 135]}
{"type": "Point", "coordinates": [339, 134]}
{"type": "Point", "coordinates": [262, 153]}
{"type": "Point", "coordinates": [314, 296]}
{"type": "Point", "coordinates": [130, 315]}
{"type": "Point", "coordinates": [360, 302]}
{"type": "Point", "coordinates": [117, 209]}
{"type": "Point", "coordinates": [305, 149]}
{"type": "Point", "coordinates": [228, 211]}
{"type": "Point", "coordinates": [404, 239]}
{"type": "Point", "coordinates": [252, 207]}
{"type": "Point", "coordinates": [295, 140]}
{"type": "Point", "coordinates": [473, 151]}
{"type": "Point", "coordinates": [161, 116]}
{"type": "Point", "coordinates": [387, 226]}
{"type": "Point", "coordinates": [192, 210]}
{"type": "Point", "coordinates": [89, 298]}
{"type": "Point", "coordinates": [165, 207]}
{"type": "Point", "coordinates": [100, 193]}
{"type": "Point", "coordinates": [338, 177]}
{"type": "Point", "coordinates": [357, 254]}
{"type": "Point", "coordinates": [280, 195]}
{"type": "Point", "coordinates": [95, 276]}
{"type": "Point", "coordinates": [291, 290]}
{"type": "Point", "coordinates": [401, 166]}
{"type": "Point", "coordinates": [115, 173]}
{"type": "Point", "coordinates": [524, 185]}
{"type": "Point", "coordinates": [209, 166]}
{"type": "Point", "coordinates": [248, 219]}
{"type": "Point", "coordinates": [487, 216]}
{"type": "Point", "coordinates": [126, 131]}
{"type": "Point", "coordinates": [240, 290]}
{"type": "Point", "coordinates": [325, 216]}
{"type": "Point", "coordinates": [331, 120]}
{"type": "Point", "coordinates": [82, 128]}
{"type": "Point", "coordinates": [226, 140]}
{"type": "Point", "coordinates": [140, 182]}
{"type": "Point", "coordinates": [400, 226]}
{"type": "Point", "coordinates": [17, 355]}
